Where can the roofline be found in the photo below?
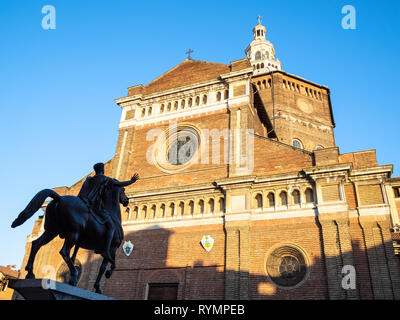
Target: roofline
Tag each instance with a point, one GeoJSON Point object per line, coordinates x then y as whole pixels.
{"type": "Point", "coordinates": [310, 153]}
{"type": "Point", "coordinates": [394, 180]}
{"type": "Point", "coordinates": [186, 60]}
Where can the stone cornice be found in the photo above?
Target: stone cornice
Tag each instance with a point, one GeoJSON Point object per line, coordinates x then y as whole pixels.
{"type": "Point", "coordinates": [384, 169]}
{"type": "Point", "coordinates": [331, 168]}
{"type": "Point", "coordinates": [223, 77]}
{"type": "Point", "coordinates": [170, 190]}
{"type": "Point", "coordinates": [241, 72]}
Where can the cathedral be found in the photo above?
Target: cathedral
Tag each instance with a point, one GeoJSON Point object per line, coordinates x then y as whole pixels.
{"type": "Point", "coordinates": [243, 192]}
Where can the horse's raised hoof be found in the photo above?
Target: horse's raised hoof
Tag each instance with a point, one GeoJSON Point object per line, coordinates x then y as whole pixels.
{"type": "Point", "coordinates": [108, 274]}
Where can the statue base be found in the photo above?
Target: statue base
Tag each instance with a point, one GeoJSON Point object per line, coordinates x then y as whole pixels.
{"type": "Point", "coordinates": [46, 289]}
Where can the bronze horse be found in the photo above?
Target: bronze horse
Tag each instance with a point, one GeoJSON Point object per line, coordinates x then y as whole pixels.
{"type": "Point", "coordinates": [69, 218]}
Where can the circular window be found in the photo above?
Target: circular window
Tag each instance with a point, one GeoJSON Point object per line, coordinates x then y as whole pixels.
{"type": "Point", "coordinates": [177, 149]}
{"type": "Point", "coordinates": [183, 147]}
{"type": "Point", "coordinates": [63, 273]}
{"type": "Point", "coordinates": [286, 266]}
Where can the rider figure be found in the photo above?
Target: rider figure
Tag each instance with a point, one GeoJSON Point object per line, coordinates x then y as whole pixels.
{"type": "Point", "coordinates": [92, 193]}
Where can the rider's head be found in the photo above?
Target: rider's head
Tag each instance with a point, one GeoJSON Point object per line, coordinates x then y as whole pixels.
{"type": "Point", "coordinates": [99, 168]}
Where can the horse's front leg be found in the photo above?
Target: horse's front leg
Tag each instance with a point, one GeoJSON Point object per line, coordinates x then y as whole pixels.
{"type": "Point", "coordinates": [65, 252]}
{"type": "Point", "coordinates": [101, 272]}
{"type": "Point", "coordinates": [45, 238]}
{"type": "Point", "coordinates": [109, 272]}
{"type": "Point", "coordinates": [74, 254]}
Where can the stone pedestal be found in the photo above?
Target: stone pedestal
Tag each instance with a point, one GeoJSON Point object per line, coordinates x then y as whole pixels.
{"type": "Point", "coordinates": [45, 289]}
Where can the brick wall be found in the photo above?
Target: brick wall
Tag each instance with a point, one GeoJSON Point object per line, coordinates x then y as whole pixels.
{"type": "Point", "coordinates": [288, 106]}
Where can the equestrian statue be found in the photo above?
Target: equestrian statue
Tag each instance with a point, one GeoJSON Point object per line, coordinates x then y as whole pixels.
{"type": "Point", "coordinates": [92, 221]}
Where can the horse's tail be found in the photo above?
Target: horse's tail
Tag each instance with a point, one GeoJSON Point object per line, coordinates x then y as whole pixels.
{"type": "Point", "coordinates": [34, 206]}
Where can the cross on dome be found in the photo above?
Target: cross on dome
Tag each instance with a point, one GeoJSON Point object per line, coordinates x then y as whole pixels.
{"type": "Point", "coordinates": [188, 53]}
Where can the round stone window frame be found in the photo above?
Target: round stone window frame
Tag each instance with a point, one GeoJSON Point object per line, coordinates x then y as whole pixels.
{"type": "Point", "coordinates": [163, 144]}
{"type": "Point", "coordinates": [306, 261]}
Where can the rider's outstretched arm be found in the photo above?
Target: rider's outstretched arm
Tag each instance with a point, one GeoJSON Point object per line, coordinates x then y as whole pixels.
{"type": "Point", "coordinates": [126, 183]}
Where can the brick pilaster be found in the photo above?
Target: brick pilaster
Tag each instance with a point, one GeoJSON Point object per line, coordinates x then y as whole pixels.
{"type": "Point", "coordinates": [237, 262]}
{"type": "Point", "coordinates": [232, 264]}
{"type": "Point", "coordinates": [384, 273]}
{"type": "Point", "coordinates": [244, 263]}
{"type": "Point", "coordinates": [338, 253]}
{"type": "Point", "coordinates": [333, 259]}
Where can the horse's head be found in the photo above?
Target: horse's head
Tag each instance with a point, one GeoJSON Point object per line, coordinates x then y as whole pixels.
{"type": "Point", "coordinates": [123, 199]}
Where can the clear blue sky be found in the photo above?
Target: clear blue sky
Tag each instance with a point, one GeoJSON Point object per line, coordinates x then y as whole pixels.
{"type": "Point", "coordinates": [57, 87]}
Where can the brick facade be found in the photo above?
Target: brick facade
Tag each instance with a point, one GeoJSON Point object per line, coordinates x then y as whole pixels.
{"type": "Point", "coordinates": [311, 210]}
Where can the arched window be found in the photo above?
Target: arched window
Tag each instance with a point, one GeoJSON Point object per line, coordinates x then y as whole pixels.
{"type": "Point", "coordinates": [319, 147]}
{"type": "Point", "coordinates": [211, 205]}
{"type": "Point", "coordinates": [169, 106]}
{"type": "Point", "coordinates": [171, 209]}
{"type": "Point", "coordinates": [283, 196]}
{"type": "Point", "coordinates": [258, 32]}
{"type": "Point", "coordinates": [150, 111]}
{"type": "Point", "coordinates": [143, 112]}
{"type": "Point", "coordinates": [284, 84]}
{"type": "Point", "coordinates": [269, 83]}
{"type": "Point", "coordinates": [264, 84]}
{"type": "Point", "coordinates": [162, 210]}
{"type": "Point", "coordinates": [262, 65]}
{"type": "Point", "coordinates": [136, 212]}
{"type": "Point", "coordinates": [271, 200]}
{"type": "Point", "coordinates": [221, 205]}
{"type": "Point", "coordinates": [201, 206]}
{"type": "Point", "coordinates": [205, 99]}
{"type": "Point", "coordinates": [190, 102]}
{"type": "Point", "coordinates": [218, 96]}
{"type": "Point", "coordinates": [191, 207]}
{"type": "Point", "coordinates": [197, 100]}
{"type": "Point", "coordinates": [182, 208]}
{"type": "Point", "coordinates": [183, 103]}
{"type": "Point", "coordinates": [259, 85]}
{"type": "Point", "coordinates": [176, 105]}
{"type": "Point", "coordinates": [267, 54]}
{"type": "Point", "coordinates": [153, 211]}
{"type": "Point", "coordinates": [296, 197]}
{"type": "Point", "coordinates": [259, 201]}
{"type": "Point", "coordinates": [162, 108]}
{"type": "Point", "coordinates": [309, 195]}
{"type": "Point", "coordinates": [226, 94]}
{"type": "Point", "coordinates": [144, 209]}
{"type": "Point", "coordinates": [297, 144]}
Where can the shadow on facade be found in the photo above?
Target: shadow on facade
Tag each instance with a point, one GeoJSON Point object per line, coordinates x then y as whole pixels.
{"type": "Point", "coordinates": [168, 265]}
